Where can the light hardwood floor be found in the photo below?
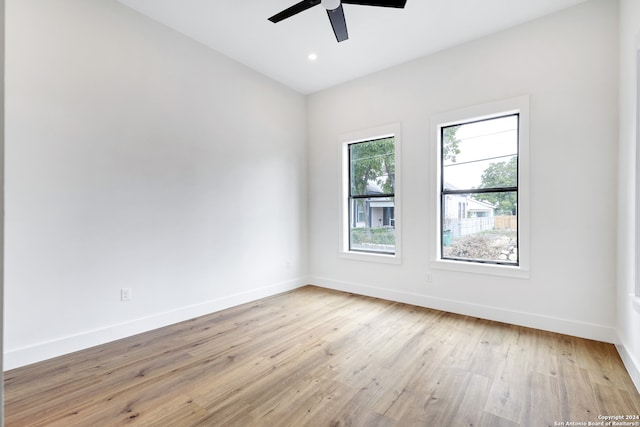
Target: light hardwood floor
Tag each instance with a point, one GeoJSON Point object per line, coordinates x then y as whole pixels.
{"type": "Point", "coordinates": [315, 357]}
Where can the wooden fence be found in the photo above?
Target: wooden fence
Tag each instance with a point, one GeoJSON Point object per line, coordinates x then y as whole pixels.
{"type": "Point", "coordinates": [506, 222]}
{"type": "Point", "coordinates": [465, 226]}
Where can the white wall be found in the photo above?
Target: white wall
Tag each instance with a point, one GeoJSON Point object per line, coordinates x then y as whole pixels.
{"type": "Point", "coordinates": [139, 158]}
{"type": "Point", "coordinates": [628, 316]}
{"type": "Point", "coordinates": [2, 38]}
{"type": "Point", "coordinates": [567, 63]}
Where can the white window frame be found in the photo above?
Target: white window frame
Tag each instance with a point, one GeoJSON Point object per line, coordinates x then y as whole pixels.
{"type": "Point", "coordinates": [519, 105]}
{"type": "Point", "coordinates": [384, 131]}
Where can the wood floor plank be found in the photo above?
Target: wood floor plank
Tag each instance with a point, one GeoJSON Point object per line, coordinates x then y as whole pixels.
{"type": "Point", "coordinates": [538, 412]}
{"type": "Point", "coordinates": [490, 420]}
{"type": "Point", "coordinates": [543, 351]}
{"type": "Point", "coordinates": [610, 399]}
{"type": "Point", "coordinates": [444, 401]}
{"type": "Point", "coordinates": [507, 395]}
{"type": "Point", "coordinates": [473, 402]}
{"type": "Point", "coordinates": [577, 395]}
{"type": "Point", "coordinates": [317, 357]}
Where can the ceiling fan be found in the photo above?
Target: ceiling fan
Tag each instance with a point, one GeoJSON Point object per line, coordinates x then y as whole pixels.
{"type": "Point", "coordinates": [334, 11]}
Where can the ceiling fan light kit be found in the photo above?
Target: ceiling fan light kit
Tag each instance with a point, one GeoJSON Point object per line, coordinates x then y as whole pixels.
{"type": "Point", "coordinates": [335, 12]}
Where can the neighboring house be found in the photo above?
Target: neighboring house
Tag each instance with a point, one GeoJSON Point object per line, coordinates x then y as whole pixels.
{"type": "Point", "coordinates": [464, 215]}
{"type": "Point", "coordinates": [381, 212]}
{"type": "Point", "coordinates": [460, 207]}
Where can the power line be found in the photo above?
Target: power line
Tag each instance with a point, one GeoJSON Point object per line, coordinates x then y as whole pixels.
{"type": "Point", "coordinates": [479, 160]}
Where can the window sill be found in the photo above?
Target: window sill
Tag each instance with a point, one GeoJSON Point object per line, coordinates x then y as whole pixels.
{"type": "Point", "coordinates": [476, 268]}
{"type": "Point", "coordinates": [371, 257]}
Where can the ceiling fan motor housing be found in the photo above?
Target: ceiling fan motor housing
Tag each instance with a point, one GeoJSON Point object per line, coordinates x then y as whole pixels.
{"type": "Point", "coordinates": [330, 4]}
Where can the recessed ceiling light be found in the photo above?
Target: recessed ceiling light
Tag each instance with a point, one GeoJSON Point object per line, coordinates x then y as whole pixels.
{"type": "Point", "coordinates": [312, 57]}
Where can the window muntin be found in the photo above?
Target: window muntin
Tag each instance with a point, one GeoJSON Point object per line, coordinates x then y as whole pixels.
{"type": "Point", "coordinates": [371, 197]}
{"type": "Point", "coordinates": [479, 190]}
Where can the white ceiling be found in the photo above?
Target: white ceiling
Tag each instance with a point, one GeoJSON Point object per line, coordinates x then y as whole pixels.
{"type": "Point", "coordinates": [378, 37]}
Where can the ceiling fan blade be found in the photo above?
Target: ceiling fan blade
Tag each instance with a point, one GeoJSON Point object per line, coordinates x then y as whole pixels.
{"type": "Point", "coordinates": [381, 3]}
{"type": "Point", "coordinates": [294, 10]}
{"type": "Point", "coordinates": [336, 16]}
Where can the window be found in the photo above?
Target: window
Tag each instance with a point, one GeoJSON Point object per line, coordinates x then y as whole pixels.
{"type": "Point", "coordinates": [482, 189]}
{"type": "Point", "coordinates": [479, 190]}
{"type": "Point", "coordinates": [372, 196]}
{"type": "Point", "coordinates": [370, 202]}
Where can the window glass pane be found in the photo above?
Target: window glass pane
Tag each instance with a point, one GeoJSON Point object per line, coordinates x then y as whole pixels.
{"type": "Point", "coordinates": [372, 167]}
{"type": "Point", "coordinates": [372, 225]}
{"type": "Point", "coordinates": [480, 227]}
{"type": "Point", "coordinates": [494, 173]}
{"type": "Point", "coordinates": [481, 154]}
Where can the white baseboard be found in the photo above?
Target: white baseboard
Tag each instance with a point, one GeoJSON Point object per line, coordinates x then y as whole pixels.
{"type": "Point", "coordinates": [49, 349]}
{"type": "Point", "coordinates": [633, 366]}
{"type": "Point", "coordinates": [520, 318]}
{"type": "Point", "coordinates": [45, 350]}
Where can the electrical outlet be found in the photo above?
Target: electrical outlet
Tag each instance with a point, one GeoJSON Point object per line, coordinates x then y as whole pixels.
{"type": "Point", "coordinates": [125, 294]}
{"type": "Point", "coordinates": [429, 278]}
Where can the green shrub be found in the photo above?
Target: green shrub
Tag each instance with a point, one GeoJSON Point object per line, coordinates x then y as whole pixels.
{"type": "Point", "coordinates": [374, 236]}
